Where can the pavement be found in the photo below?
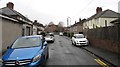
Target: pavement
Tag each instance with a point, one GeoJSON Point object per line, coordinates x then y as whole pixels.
{"type": "Point", "coordinates": [110, 57]}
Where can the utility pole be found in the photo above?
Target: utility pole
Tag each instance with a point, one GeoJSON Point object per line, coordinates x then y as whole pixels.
{"type": "Point", "coordinates": [69, 23]}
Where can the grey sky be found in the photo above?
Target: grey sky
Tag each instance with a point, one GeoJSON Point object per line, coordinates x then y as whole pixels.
{"type": "Point", "coordinates": [46, 11]}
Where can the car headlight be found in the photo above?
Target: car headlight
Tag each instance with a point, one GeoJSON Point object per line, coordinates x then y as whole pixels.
{"type": "Point", "coordinates": [1, 60]}
{"type": "Point", "coordinates": [76, 41]}
{"type": "Point", "coordinates": [36, 58]}
{"type": "Point", "coordinates": [86, 41]}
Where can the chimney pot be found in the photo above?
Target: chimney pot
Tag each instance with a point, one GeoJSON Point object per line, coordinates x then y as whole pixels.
{"type": "Point", "coordinates": [98, 10]}
{"type": "Point", "coordinates": [35, 21]}
{"type": "Point", "coordinates": [10, 5]}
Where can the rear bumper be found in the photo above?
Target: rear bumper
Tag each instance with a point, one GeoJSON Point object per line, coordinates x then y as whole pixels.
{"type": "Point", "coordinates": [50, 40]}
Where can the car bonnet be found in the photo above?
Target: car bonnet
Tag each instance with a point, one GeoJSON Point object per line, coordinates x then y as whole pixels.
{"type": "Point", "coordinates": [21, 53]}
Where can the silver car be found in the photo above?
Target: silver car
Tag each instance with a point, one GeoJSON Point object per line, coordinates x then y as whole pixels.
{"type": "Point", "coordinates": [50, 37]}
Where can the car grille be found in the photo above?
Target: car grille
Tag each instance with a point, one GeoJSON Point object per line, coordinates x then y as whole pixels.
{"type": "Point", "coordinates": [82, 41]}
{"type": "Point", "coordinates": [16, 62]}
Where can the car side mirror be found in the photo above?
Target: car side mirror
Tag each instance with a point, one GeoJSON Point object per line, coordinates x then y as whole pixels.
{"type": "Point", "coordinates": [45, 43]}
{"type": "Point", "coordinates": [8, 47]}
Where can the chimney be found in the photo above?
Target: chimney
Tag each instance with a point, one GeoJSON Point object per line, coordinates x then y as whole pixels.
{"type": "Point", "coordinates": [79, 19]}
{"type": "Point", "coordinates": [75, 22]}
{"type": "Point", "coordinates": [35, 21]}
{"type": "Point", "coordinates": [10, 5]}
{"type": "Point", "coordinates": [98, 10]}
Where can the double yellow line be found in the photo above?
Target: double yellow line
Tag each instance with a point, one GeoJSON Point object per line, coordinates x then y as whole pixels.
{"type": "Point", "coordinates": [101, 63]}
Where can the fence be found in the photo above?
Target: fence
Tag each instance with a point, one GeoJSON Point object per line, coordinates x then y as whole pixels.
{"type": "Point", "coordinates": [106, 37]}
{"type": "Point", "coordinates": [106, 33]}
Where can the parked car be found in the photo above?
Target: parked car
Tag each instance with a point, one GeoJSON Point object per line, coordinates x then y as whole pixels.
{"type": "Point", "coordinates": [79, 40]}
{"type": "Point", "coordinates": [61, 34]}
{"type": "Point", "coordinates": [50, 37]}
{"type": "Point", "coordinates": [26, 51]}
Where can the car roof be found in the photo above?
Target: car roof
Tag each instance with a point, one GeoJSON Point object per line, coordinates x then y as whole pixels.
{"type": "Point", "coordinates": [77, 34]}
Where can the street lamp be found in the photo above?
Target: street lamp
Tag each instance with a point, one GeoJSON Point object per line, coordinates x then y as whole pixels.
{"type": "Point", "coordinates": [69, 23]}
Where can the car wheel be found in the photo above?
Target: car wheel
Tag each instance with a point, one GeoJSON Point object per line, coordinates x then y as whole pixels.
{"type": "Point", "coordinates": [47, 56]}
{"type": "Point", "coordinates": [72, 43]}
{"type": "Point", "coordinates": [52, 41]}
{"type": "Point", "coordinates": [44, 62]}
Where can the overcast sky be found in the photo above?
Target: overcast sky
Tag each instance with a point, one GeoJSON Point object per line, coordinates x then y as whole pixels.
{"type": "Point", "coordinates": [46, 11]}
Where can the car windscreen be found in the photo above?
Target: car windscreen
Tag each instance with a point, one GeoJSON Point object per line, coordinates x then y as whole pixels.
{"type": "Point", "coordinates": [51, 35]}
{"type": "Point", "coordinates": [26, 42]}
{"type": "Point", "coordinates": [79, 36]}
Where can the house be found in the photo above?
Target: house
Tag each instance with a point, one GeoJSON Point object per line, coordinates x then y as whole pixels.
{"type": "Point", "coordinates": [116, 22]}
{"type": "Point", "coordinates": [77, 27]}
{"type": "Point", "coordinates": [102, 30]}
{"type": "Point", "coordinates": [10, 29]}
{"type": "Point", "coordinates": [37, 28]}
{"type": "Point", "coordinates": [51, 27]}
{"type": "Point", "coordinates": [9, 10]}
{"type": "Point", "coordinates": [100, 19]}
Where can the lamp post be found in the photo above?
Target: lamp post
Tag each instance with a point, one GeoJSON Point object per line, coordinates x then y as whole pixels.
{"type": "Point", "coordinates": [69, 23]}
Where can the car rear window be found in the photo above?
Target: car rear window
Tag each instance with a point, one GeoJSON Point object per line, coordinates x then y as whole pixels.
{"type": "Point", "coordinates": [26, 42]}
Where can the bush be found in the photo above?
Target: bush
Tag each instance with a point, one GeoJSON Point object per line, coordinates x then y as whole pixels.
{"type": "Point", "coordinates": [72, 33]}
{"type": "Point", "coordinates": [69, 34]}
{"type": "Point", "coordinates": [65, 33]}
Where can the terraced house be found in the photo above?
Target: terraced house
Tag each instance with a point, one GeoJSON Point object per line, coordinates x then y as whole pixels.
{"type": "Point", "coordinates": [12, 25]}
{"type": "Point", "coordinates": [77, 27]}
{"type": "Point", "coordinates": [100, 19]}
{"type": "Point", "coordinates": [102, 30]}
{"type": "Point", "coordinates": [9, 10]}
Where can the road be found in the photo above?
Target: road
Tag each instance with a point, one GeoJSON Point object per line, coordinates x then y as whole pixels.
{"type": "Point", "coordinates": [62, 52]}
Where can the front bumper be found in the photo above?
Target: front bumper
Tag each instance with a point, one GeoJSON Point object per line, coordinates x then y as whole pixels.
{"type": "Point", "coordinates": [32, 64]}
{"type": "Point", "coordinates": [81, 43]}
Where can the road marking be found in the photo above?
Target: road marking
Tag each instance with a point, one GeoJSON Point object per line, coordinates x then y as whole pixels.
{"type": "Point", "coordinates": [101, 62]}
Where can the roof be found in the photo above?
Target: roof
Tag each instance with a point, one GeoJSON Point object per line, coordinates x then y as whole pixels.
{"type": "Point", "coordinates": [104, 14]}
{"type": "Point", "coordinates": [38, 24]}
{"type": "Point", "coordinates": [107, 14]}
{"type": "Point", "coordinates": [12, 12]}
{"type": "Point", "coordinates": [9, 18]}
{"type": "Point", "coordinates": [117, 21]}
{"type": "Point", "coordinates": [79, 23]}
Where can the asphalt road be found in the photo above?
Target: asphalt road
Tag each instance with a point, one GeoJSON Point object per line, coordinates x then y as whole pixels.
{"type": "Point", "coordinates": [62, 52]}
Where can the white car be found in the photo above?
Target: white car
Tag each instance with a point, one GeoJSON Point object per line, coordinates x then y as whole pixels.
{"type": "Point", "coordinates": [50, 38]}
{"type": "Point", "coordinates": [61, 34]}
{"type": "Point", "coordinates": [79, 40]}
